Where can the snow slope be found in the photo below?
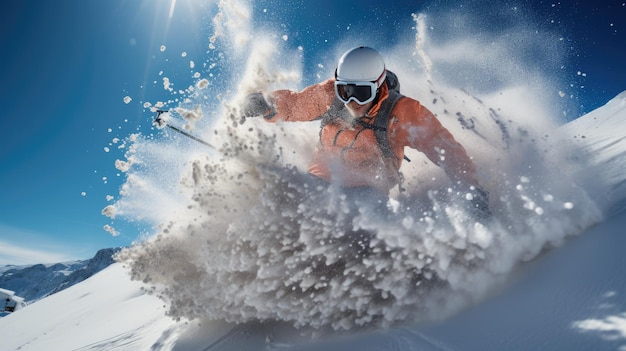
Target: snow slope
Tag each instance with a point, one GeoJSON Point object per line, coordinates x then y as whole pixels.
{"type": "Point", "coordinates": [600, 136]}
{"type": "Point", "coordinates": [105, 312]}
{"type": "Point", "coordinates": [569, 298]}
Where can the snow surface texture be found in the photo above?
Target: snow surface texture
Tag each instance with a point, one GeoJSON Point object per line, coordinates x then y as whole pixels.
{"type": "Point", "coordinates": [97, 314]}
{"type": "Point", "coordinates": [246, 238]}
{"type": "Point", "coordinates": [600, 144]}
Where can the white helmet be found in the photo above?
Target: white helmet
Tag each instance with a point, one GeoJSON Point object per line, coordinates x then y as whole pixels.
{"type": "Point", "coordinates": [361, 64]}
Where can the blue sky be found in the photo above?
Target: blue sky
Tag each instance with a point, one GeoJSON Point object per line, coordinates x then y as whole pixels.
{"type": "Point", "coordinates": [67, 65]}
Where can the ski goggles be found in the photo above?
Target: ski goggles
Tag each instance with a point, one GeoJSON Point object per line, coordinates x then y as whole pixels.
{"type": "Point", "coordinates": [359, 92]}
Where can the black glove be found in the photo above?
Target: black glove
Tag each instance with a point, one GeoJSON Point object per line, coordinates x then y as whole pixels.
{"type": "Point", "coordinates": [255, 105]}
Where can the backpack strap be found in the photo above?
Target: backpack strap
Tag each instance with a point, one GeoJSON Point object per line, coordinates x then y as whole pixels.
{"type": "Point", "coordinates": [381, 121]}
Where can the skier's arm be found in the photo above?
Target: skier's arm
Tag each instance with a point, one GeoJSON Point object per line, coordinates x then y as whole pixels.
{"type": "Point", "coordinates": [287, 105]}
{"type": "Point", "coordinates": [419, 129]}
{"type": "Point", "coordinates": [305, 105]}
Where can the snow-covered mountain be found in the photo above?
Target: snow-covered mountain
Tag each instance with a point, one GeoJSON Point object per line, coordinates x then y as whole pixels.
{"type": "Point", "coordinates": [569, 298]}
{"type": "Point", "coordinates": [34, 282]}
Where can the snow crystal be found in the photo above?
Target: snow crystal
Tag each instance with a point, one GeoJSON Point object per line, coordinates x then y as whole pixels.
{"type": "Point", "coordinates": [127, 99]}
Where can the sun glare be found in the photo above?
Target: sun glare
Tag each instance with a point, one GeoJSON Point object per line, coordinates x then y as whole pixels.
{"type": "Point", "coordinates": [172, 7]}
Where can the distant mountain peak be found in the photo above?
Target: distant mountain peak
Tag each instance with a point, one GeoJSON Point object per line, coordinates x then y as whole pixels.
{"type": "Point", "coordinates": [34, 282]}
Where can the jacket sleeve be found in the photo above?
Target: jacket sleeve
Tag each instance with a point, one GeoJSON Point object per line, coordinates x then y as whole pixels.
{"type": "Point", "coordinates": [305, 105]}
{"type": "Point", "coordinates": [419, 129]}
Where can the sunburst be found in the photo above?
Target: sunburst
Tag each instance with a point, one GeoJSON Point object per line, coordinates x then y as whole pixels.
{"type": "Point", "coordinates": [172, 7]}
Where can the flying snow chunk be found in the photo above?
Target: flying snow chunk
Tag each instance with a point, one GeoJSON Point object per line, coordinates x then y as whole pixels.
{"type": "Point", "coordinates": [162, 48]}
{"type": "Point", "coordinates": [127, 99]}
{"type": "Point", "coordinates": [190, 115]}
{"type": "Point", "coordinates": [83, 194]}
{"type": "Point", "coordinates": [167, 84]}
{"type": "Point", "coordinates": [612, 325]}
{"type": "Point", "coordinates": [123, 165]}
{"type": "Point", "coordinates": [202, 84]}
{"type": "Point", "coordinates": [109, 211]}
{"type": "Point", "coordinates": [111, 230]}
{"type": "Point", "coordinates": [285, 37]}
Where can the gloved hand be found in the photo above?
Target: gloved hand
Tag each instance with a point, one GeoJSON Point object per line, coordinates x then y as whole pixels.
{"type": "Point", "coordinates": [255, 105]}
{"type": "Point", "coordinates": [478, 201]}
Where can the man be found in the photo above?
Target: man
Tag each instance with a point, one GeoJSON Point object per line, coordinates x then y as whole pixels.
{"type": "Point", "coordinates": [366, 124]}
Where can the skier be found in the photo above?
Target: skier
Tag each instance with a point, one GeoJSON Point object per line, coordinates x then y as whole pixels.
{"type": "Point", "coordinates": [366, 124]}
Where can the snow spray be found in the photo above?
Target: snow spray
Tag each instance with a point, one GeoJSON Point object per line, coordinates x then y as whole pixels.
{"type": "Point", "coordinates": [241, 234]}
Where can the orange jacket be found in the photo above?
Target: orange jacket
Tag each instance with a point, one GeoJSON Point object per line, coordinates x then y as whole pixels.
{"type": "Point", "coordinates": [349, 153]}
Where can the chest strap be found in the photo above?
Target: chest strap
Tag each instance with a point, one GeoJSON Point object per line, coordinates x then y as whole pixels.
{"type": "Point", "coordinates": [381, 121]}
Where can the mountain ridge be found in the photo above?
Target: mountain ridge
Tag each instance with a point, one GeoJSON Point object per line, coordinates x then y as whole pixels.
{"type": "Point", "coordinates": [37, 281]}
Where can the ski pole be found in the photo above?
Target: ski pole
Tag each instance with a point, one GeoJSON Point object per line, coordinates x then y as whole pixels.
{"type": "Point", "coordinates": [161, 122]}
